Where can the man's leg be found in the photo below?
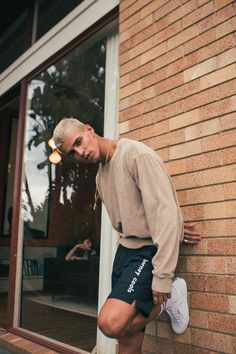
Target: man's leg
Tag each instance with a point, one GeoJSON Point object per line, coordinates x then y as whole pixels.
{"type": "Point", "coordinates": [118, 319]}
{"type": "Point", "coordinates": [131, 344]}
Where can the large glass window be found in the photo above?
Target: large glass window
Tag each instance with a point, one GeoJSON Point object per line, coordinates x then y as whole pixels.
{"type": "Point", "coordinates": [59, 296]}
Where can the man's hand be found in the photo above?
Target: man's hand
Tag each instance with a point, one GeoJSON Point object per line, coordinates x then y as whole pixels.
{"type": "Point", "coordinates": [160, 298]}
{"type": "Point", "coordinates": [190, 236]}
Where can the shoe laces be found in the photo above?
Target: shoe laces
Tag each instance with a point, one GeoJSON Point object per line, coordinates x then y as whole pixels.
{"type": "Point", "coordinates": [175, 315]}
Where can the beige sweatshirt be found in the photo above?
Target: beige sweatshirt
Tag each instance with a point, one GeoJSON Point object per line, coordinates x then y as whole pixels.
{"type": "Point", "coordinates": [141, 202]}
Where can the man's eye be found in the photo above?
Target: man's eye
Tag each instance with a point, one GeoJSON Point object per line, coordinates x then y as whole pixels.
{"type": "Point", "coordinates": [78, 142]}
{"type": "Point", "coordinates": [71, 153]}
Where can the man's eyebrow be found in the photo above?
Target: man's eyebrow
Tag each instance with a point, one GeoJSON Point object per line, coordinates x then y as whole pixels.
{"type": "Point", "coordinates": [75, 141]}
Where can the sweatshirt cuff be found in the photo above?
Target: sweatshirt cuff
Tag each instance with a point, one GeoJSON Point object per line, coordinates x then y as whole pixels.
{"type": "Point", "coordinates": [161, 285]}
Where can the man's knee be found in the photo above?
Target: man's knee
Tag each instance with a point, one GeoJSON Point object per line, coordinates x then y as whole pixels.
{"type": "Point", "coordinates": [111, 325]}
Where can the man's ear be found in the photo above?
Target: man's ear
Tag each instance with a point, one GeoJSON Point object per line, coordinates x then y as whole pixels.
{"type": "Point", "coordinates": [89, 128]}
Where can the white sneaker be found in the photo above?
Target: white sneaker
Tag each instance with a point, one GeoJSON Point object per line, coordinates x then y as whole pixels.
{"type": "Point", "coordinates": [177, 306]}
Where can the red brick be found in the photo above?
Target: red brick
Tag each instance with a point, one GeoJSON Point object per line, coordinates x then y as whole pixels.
{"type": "Point", "coordinates": [204, 161]}
{"type": "Point", "coordinates": [217, 108]}
{"type": "Point", "coordinates": [225, 209]}
{"type": "Point", "coordinates": [221, 247]}
{"type": "Point", "coordinates": [153, 345]}
{"type": "Point", "coordinates": [218, 76]}
{"type": "Point", "coordinates": [130, 66]}
{"type": "Point", "coordinates": [181, 11]}
{"type": "Point", "coordinates": [168, 139]}
{"type": "Point", "coordinates": [217, 18]}
{"type": "Point", "coordinates": [144, 94]}
{"type": "Point", "coordinates": [153, 53]}
{"type": "Point", "coordinates": [228, 121]}
{"type": "Point", "coordinates": [213, 341]}
{"type": "Point", "coordinates": [169, 57]}
{"type": "Point", "coordinates": [217, 228]}
{"type": "Point", "coordinates": [148, 131]}
{"type": "Point", "coordinates": [150, 8]}
{"type": "Point", "coordinates": [176, 167]}
{"type": "Point", "coordinates": [218, 284]}
{"type": "Point", "coordinates": [222, 323]}
{"type": "Point", "coordinates": [182, 37]}
{"type": "Point", "coordinates": [208, 35]}
{"type": "Point", "coordinates": [207, 265]}
{"type": "Point", "coordinates": [229, 155]}
{"type": "Point", "coordinates": [180, 348]}
{"type": "Point", "coordinates": [204, 194]}
{"type": "Point", "coordinates": [166, 9]}
{"type": "Point", "coordinates": [140, 26]}
{"type": "Point", "coordinates": [198, 319]}
{"type": "Point", "coordinates": [137, 74]}
{"type": "Point", "coordinates": [209, 302]}
{"type": "Point", "coordinates": [130, 89]}
{"type": "Point", "coordinates": [189, 103]}
{"type": "Point", "coordinates": [208, 51]}
{"type": "Point", "coordinates": [124, 4]}
{"type": "Point", "coordinates": [164, 153]}
{"type": "Point", "coordinates": [153, 78]}
{"type": "Point", "coordinates": [212, 94]}
{"type": "Point", "coordinates": [225, 284]}
{"type": "Point", "coordinates": [221, 3]}
{"type": "Point", "coordinates": [187, 149]}
{"type": "Point", "coordinates": [219, 141]}
{"type": "Point", "coordinates": [202, 129]}
{"type": "Point", "coordinates": [148, 40]}
{"type": "Point", "coordinates": [169, 84]}
{"type": "Point", "coordinates": [164, 330]}
{"type": "Point", "coordinates": [124, 25]}
{"type": "Point", "coordinates": [199, 14]}
{"type": "Point", "coordinates": [206, 177]}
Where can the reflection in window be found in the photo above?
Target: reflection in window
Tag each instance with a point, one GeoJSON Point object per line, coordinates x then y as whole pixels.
{"type": "Point", "coordinates": [57, 201]}
{"type": "Point", "coordinates": [50, 12]}
{"type": "Point", "coordinates": [13, 42]}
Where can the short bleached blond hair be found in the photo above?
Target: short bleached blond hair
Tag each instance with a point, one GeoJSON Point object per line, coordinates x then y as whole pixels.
{"type": "Point", "coordinates": [65, 126]}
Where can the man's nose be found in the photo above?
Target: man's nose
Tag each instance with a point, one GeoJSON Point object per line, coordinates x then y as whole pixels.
{"type": "Point", "coordinates": [79, 151]}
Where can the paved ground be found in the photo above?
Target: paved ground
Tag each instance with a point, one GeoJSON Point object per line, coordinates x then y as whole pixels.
{"type": "Point", "coordinates": [4, 351]}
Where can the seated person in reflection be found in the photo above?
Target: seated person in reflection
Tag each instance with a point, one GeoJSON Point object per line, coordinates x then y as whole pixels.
{"type": "Point", "coordinates": [81, 251]}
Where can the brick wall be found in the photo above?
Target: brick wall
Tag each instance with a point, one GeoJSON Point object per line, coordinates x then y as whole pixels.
{"type": "Point", "coordinates": [178, 95]}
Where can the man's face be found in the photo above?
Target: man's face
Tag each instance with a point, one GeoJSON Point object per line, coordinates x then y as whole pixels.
{"type": "Point", "coordinates": [87, 244]}
{"type": "Point", "coordinates": [82, 145]}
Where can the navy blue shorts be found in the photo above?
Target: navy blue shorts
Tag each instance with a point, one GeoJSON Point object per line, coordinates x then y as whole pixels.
{"type": "Point", "coordinates": [132, 277]}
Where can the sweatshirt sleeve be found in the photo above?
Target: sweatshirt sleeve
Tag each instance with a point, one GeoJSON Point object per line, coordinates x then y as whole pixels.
{"type": "Point", "coordinates": [163, 215]}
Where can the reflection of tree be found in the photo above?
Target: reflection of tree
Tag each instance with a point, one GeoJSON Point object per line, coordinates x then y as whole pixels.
{"type": "Point", "coordinates": [74, 86]}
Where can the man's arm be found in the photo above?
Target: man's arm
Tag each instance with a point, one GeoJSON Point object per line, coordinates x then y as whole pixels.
{"type": "Point", "coordinates": [164, 220]}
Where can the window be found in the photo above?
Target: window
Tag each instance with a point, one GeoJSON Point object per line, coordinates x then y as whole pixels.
{"type": "Point", "coordinates": [50, 12]}
{"type": "Point", "coordinates": [57, 201]}
{"type": "Point", "coordinates": [13, 42]}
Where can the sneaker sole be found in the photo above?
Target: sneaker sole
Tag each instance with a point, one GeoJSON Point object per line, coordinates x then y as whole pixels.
{"type": "Point", "coordinates": [182, 330]}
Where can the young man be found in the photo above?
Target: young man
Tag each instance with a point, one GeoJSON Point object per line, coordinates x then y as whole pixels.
{"type": "Point", "coordinates": [141, 202]}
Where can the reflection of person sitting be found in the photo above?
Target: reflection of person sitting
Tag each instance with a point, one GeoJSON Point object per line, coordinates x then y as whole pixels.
{"type": "Point", "coordinates": [81, 250]}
